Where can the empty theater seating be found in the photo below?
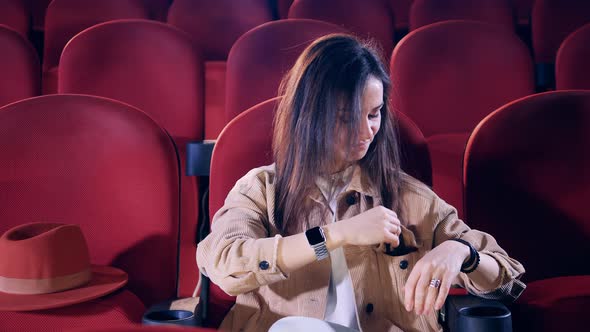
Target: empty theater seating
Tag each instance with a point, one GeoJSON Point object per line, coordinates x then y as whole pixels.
{"type": "Point", "coordinates": [526, 182]}
{"type": "Point", "coordinates": [19, 65]}
{"type": "Point", "coordinates": [551, 22]}
{"type": "Point", "coordinates": [426, 12]}
{"type": "Point", "coordinates": [229, 19]}
{"type": "Point", "coordinates": [109, 168]}
{"type": "Point", "coordinates": [571, 65]}
{"type": "Point", "coordinates": [158, 69]}
{"type": "Point", "coordinates": [65, 18]}
{"type": "Point", "coordinates": [447, 77]}
{"type": "Point", "coordinates": [376, 21]}
{"type": "Point", "coordinates": [15, 15]}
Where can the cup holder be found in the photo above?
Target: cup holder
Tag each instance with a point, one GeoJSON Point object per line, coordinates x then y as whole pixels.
{"type": "Point", "coordinates": [169, 317]}
{"type": "Point", "coordinates": [485, 312]}
{"type": "Point", "coordinates": [485, 318]}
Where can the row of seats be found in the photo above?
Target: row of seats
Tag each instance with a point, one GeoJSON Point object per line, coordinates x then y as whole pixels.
{"type": "Point", "coordinates": [551, 20]}
{"type": "Point", "coordinates": [113, 170]}
{"type": "Point", "coordinates": [467, 68]}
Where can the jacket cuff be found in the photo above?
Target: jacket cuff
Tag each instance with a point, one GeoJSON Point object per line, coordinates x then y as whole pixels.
{"type": "Point", "coordinates": [265, 263]}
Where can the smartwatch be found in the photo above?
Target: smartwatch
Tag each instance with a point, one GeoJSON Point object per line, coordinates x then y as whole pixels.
{"type": "Point", "coordinates": [317, 240]}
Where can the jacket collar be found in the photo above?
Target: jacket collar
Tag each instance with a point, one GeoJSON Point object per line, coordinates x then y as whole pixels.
{"type": "Point", "coordinates": [359, 182]}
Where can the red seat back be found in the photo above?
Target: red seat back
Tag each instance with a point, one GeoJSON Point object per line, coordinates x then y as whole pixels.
{"type": "Point", "coordinates": [466, 69]}
{"type": "Point", "coordinates": [20, 68]}
{"type": "Point", "coordinates": [15, 15]}
{"type": "Point", "coordinates": [260, 58]}
{"type": "Point", "coordinates": [156, 68]}
{"type": "Point", "coordinates": [552, 21]}
{"type": "Point", "coordinates": [426, 12]}
{"type": "Point", "coordinates": [401, 13]}
{"type": "Point", "coordinates": [572, 66]}
{"type": "Point", "coordinates": [65, 18]}
{"type": "Point", "coordinates": [216, 25]}
{"type": "Point", "coordinates": [100, 164]}
{"type": "Point", "coordinates": [527, 181]}
{"type": "Point", "coordinates": [367, 18]}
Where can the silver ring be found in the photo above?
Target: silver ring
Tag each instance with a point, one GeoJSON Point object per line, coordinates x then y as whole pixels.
{"type": "Point", "coordinates": [434, 283]}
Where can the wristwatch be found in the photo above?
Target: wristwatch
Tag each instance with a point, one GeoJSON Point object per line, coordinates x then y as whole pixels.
{"type": "Point", "coordinates": [317, 240]}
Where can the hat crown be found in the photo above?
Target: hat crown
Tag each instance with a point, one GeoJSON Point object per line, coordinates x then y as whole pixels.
{"type": "Point", "coordinates": [43, 257]}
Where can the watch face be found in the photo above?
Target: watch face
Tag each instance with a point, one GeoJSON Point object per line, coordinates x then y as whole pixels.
{"type": "Point", "coordinates": [315, 236]}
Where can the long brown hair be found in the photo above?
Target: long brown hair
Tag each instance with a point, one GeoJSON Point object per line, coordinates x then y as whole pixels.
{"type": "Point", "coordinates": [327, 79]}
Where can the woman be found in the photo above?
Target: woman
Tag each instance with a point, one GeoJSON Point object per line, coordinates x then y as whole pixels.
{"type": "Point", "coordinates": [336, 191]}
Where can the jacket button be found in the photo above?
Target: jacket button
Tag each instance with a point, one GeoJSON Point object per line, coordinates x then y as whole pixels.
{"type": "Point", "coordinates": [263, 265]}
{"type": "Point", "coordinates": [369, 308]}
{"type": "Point", "coordinates": [403, 264]}
{"type": "Point", "coordinates": [351, 199]}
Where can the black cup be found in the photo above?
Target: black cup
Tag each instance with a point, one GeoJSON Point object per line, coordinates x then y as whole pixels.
{"type": "Point", "coordinates": [484, 319]}
{"type": "Point", "coordinates": [169, 317]}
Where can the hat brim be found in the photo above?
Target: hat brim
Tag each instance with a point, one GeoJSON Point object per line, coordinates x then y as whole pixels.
{"type": "Point", "coordinates": [105, 279]}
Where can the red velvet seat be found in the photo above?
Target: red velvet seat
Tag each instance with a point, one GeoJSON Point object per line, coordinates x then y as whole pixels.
{"type": "Point", "coordinates": [283, 8]}
{"type": "Point", "coordinates": [109, 168]}
{"type": "Point", "coordinates": [158, 9]}
{"type": "Point", "coordinates": [260, 58]}
{"type": "Point", "coordinates": [572, 66]}
{"type": "Point", "coordinates": [401, 13]}
{"type": "Point", "coordinates": [552, 21]}
{"type": "Point", "coordinates": [367, 18]}
{"type": "Point", "coordinates": [215, 26]}
{"type": "Point", "coordinates": [122, 307]}
{"type": "Point", "coordinates": [15, 15]}
{"type": "Point", "coordinates": [156, 68]}
{"type": "Point", "coordinates": [65, 18]}
{"type": "Point", "coordinates": [448, 76]}
{"type": "Point", "coordinates": [245, 143]}
{"type": "Point", "coordinates": [523, 9]}
{"type": "Point", "coordinates": [20, 68]}
{"type": "Point", "coordinates": [426, 12]}
{"type": "Point", "coordinates": [38, 9]}
{"type": "Point", "coordinates": [527, 182]}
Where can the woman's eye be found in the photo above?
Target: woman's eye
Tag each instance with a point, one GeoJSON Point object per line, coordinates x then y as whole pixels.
{"type": "Point", "coordinates": [374, 115]}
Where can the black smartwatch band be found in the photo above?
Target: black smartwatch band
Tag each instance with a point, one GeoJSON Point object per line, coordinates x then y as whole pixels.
{"type": "Point", "coordinates": [473, 261]}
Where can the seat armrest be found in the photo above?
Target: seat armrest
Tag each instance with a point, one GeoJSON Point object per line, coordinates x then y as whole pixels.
{"type": "Point", "coordinates": [198, 157]}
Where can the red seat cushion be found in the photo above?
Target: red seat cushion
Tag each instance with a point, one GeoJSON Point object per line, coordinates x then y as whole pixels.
{"type": "Point", "coordinates": [556, 304]}
{"type": "Point", "coordinates": [115, 309]}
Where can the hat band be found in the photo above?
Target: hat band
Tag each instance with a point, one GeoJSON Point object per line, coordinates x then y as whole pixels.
{"type": "Point", "coordinates": [44, 286]}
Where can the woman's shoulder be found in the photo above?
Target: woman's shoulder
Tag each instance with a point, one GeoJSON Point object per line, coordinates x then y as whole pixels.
{"type": "Point", "coordinates": [258, 177]}
{"type": "Point", "coordinates": [414, 187]}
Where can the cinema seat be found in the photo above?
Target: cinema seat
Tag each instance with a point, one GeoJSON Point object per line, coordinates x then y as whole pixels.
{"type": "Point", "coordinates": [20, 68]}
{"type": "Point", "coordinates": [109, 168]}
{"type": "Point", "coordinates": [526, 182]}
{"type": "Point", "coordinates": [156, 68]}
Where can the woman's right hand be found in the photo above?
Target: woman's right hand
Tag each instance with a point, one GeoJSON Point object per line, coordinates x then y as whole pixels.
{"type": "Point", "coordinates": [374, 226]}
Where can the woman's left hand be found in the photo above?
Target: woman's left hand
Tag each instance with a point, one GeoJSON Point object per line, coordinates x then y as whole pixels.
{"type": "Point", "coordinates": [442, 263]}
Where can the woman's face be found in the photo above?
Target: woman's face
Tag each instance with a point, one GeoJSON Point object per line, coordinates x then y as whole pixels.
{"type": "Point", "coordinates": [371, 104]}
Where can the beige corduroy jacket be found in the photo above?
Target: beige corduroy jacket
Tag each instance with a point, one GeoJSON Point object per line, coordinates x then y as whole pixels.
{"type": "Point", "coordinates": [240, 253]}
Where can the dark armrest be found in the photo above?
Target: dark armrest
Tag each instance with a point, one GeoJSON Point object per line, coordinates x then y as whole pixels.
{"type": "Point", "coordinates": [463, 313]}
{"type": "Point", "coordinates": [198, 157]}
